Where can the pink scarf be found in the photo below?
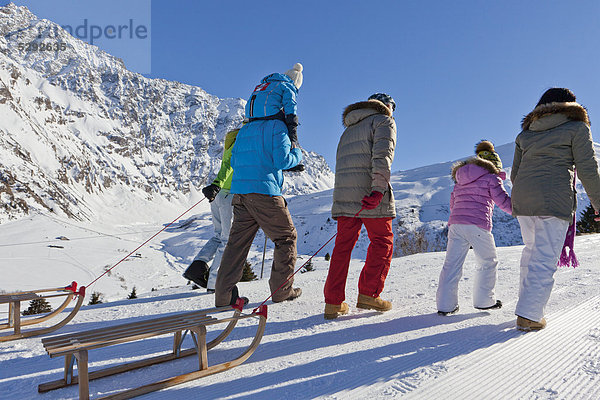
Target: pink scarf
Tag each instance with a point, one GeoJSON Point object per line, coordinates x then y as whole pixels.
{"type": "Point", "coordinates": [569, 259]}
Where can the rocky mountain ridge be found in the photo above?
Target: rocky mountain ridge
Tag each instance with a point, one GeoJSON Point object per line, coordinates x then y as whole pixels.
{"type": "Point", "coordinates": [79, 130]}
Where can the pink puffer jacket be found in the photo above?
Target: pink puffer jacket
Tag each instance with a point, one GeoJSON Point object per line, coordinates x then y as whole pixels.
{"type": "Point", "coordinates": [478, 187]}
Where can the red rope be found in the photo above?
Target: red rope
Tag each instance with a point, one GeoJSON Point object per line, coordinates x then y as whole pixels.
{"type": "Point", "coordinates": [302, 266]}
{"type": "Point", "coordinates": [141, 245]}
{"type": "Point", "coordinates": [288, 279]}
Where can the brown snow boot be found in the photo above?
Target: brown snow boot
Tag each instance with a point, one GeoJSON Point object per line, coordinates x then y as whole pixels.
{"type": "Point", "coordinates": [524, 324]}
{"type": "Point", "coordinates": [333, 311]}
{"type": "Point", "coordinates": [373, 303]}
{"type": "Point", "coordinates": [294, 294]}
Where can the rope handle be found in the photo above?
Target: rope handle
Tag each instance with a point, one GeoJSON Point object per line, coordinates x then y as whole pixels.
{"type": "Point", "coordinates": [141, 245]}
{"type": "Point", "coordinates": [291, 276]}
{"type": "Point", "coordinates": [302, 266]}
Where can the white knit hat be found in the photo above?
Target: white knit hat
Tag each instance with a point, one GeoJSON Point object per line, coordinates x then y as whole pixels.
{"type": "Point", "coordinates": [295, 74]}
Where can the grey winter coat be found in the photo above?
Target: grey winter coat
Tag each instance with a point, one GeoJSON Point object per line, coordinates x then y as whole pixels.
{"type": "Point", "coordinates": [556, 137]}
{"type": "Point", "coordinates": [364, 159]}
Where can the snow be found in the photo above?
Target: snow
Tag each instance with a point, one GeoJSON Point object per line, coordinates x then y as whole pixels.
{"type": "Point", "coordinates": [78, 115]}
{"type": "Point", "coordinates": [73, 208]}
{"type": "Point", "coordinates": [409, 351]}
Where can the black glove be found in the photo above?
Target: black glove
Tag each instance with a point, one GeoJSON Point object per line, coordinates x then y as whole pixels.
{"type": "Point", "coordinates": [291, 121]}
{"type": "Point", "coordinates": [210, 192]}
{"type": "Point", "coordinates": [297, 168]}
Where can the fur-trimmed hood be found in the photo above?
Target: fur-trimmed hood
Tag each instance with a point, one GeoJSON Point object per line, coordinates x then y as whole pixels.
{"type": "Point", "coordinates": [356, 112]}
{"type": "Point", "coordinates": [485, 164]}
{"type": "Point", "coordinates": [572, 110]}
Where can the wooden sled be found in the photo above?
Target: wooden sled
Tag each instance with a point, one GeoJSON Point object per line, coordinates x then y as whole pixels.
{"type": "Point", "coordinates": [75, 347]}
{"type": "Point", "coordinates": [14, 310]}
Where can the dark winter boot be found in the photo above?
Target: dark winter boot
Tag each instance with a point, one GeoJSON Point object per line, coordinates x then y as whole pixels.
{"type": "Point", "coordinates": [495, 306]}
{"type": "Point", "coordinates": [444, 313]}
{"type": "Point", "coordinates": [197, 272]}
{"type": "Point", "coordinates": [235, 296]}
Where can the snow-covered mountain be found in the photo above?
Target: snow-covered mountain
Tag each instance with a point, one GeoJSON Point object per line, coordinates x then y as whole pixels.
{"type": "Point", "coordinates": [423, 206]}
{"type": "Point", "coordinates": [80, 135]}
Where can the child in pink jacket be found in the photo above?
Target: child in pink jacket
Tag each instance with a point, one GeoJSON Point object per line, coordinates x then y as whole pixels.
{"type": "Point", "coordinates": [478, 187]}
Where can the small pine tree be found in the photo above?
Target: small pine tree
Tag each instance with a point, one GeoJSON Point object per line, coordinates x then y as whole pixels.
{"type": "Point", "coordinates": [95, 298]}
{"type": "Point", "coordinates": [586, 223]}
{"type": "Point", "coordinates": [133, 294]}
{"type": "Point", "coordinates": [307, 267]}
{"type": "Point", "coordinates": [248, 274]}
{"type": "Point", "coordinates": [38, 306]}
{"type": "Point", "coordinates": [327, 257]}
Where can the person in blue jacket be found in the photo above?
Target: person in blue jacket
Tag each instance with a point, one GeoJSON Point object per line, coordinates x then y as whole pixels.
{"type": "Point", "coordinates": [264, 147]}
{"type": "Point", "coordinates": [275, 98]}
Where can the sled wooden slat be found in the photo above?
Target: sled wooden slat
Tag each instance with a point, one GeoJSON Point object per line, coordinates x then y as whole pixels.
{"type": "Point", "coordinates": [75, 348]}
{"type": "Point", "coordinates": [4, 298]}
{"type": "Point", "coordinates": [15, 322]}
{"type": "Point", "coordinates": [36, 291]}
{"type": "Point", "coordinates": [111, 338]}
{"type": "Point", "coordinates": [130, 328]}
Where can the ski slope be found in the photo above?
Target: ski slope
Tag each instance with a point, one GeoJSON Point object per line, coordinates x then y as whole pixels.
{"type": "Point", "coordinates": [408, 352]}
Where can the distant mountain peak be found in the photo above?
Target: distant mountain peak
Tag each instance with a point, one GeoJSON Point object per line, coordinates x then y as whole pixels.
{"type": "Point", "coordinates": [79, 129]}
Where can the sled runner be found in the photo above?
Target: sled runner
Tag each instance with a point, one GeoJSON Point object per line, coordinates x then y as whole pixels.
{"type": "Point", "coordinates": [14, 310]}
{"type": "Point", "coordinates": [75, 347]}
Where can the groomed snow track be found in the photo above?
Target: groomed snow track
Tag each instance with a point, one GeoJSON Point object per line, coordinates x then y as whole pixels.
{"type": "Point", "coordinates": [559, 362]}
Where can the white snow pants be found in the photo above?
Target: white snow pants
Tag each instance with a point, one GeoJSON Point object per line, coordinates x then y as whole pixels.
{"type": "Point", "coordinates": [222, 217]}
{"type": "Point", "coordinates": [460, 238]}
{"type": "Point", "coordinates": [543, 238]}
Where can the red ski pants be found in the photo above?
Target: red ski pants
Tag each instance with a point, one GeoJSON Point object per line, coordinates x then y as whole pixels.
{"type": "Point", "coordinates": [377, 265]}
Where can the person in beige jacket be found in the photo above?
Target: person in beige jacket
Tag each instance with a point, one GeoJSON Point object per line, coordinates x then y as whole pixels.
{"type": "Point", "coordinates": [555, 140]}
{"type": "Point", "coordinates": [362, 184]}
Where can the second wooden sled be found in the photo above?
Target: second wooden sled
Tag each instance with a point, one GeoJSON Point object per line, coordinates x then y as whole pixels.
{"type": "Point", "coordinates": [75, 347]}
{"type": "Point", "coordinates": [14, 310]}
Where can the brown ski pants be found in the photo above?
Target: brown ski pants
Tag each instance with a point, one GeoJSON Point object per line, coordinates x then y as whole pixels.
{"type": "Point", "coordinates": [250, 212]}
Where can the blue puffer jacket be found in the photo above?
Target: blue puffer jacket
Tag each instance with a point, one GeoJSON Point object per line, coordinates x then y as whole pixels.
{"type": "Point", "coordinates": [262, 149]}
{"type": "Point", "coordinates": [276, 92]}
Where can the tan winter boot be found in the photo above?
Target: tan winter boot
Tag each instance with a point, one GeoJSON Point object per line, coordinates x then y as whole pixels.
{"type": "Point", "coordinates": [372, 303]}
{"type": "Point", "coordinates": [333, 311]}
{"type": "Point", "coordinates": [524, 324]}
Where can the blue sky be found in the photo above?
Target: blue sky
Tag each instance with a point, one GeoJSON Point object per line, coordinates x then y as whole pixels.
{"type": "Point", "coordinates": [460, 71]}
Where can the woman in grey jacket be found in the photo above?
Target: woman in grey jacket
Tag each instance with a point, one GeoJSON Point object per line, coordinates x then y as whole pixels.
{"type": "Point", "coordinates": [363, 196]}
{"type": "Point", "coordinates": [556, 139]}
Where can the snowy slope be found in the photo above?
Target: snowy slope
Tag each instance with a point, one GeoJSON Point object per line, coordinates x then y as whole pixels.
{"type": "Point", "coordinates": [409, 351]}
{"type": "Point", "coordinates": [418, 227]}
{"type": "Point", "coordinates": [79, 131]}
{"type": "Point", "coordinates": [96, 159]}
{"type": "Point", "coordinates": [403, 352]}
{"type": "Point", "coordinates": [423, 206]}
